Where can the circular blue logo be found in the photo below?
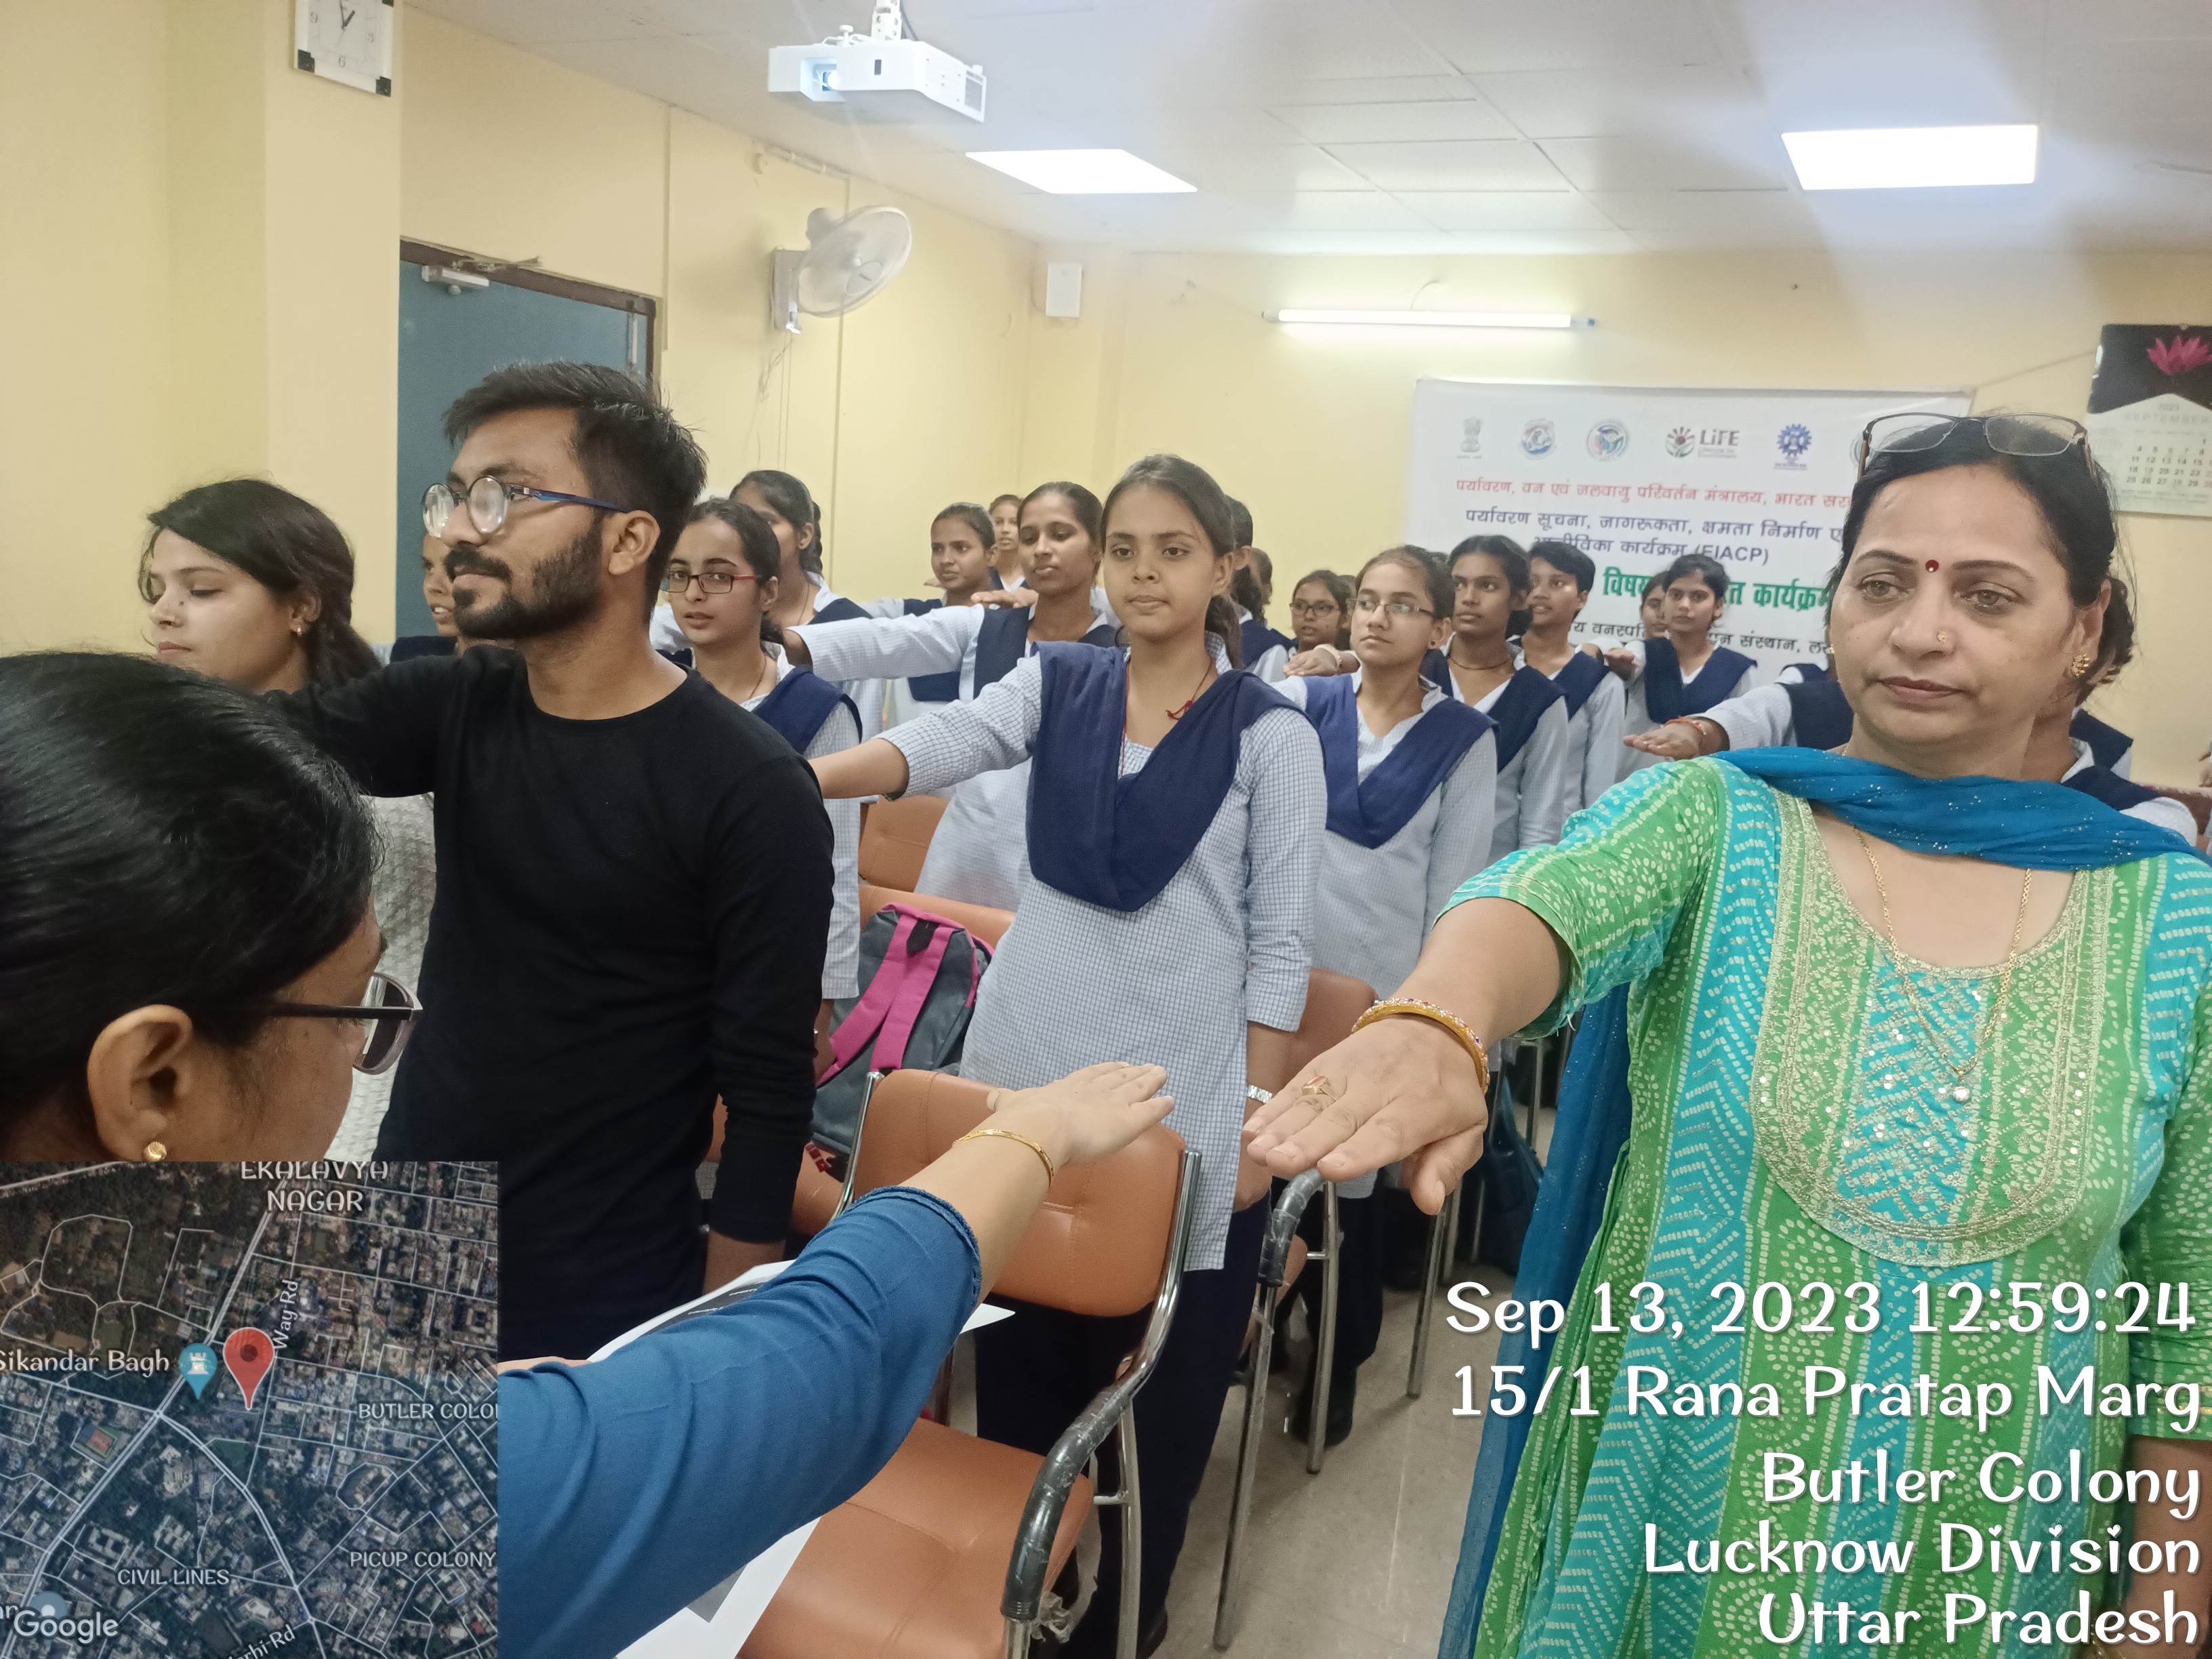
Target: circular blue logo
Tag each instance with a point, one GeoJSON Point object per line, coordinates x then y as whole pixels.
{"type": "Point", "coordinates": [1794, 440]}
{"type": "Point", "coordinates": [1608, 440]}
{"type": "Point", "coordinates": [1538, 437]}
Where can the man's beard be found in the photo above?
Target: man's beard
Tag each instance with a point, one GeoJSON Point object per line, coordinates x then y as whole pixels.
{"type": "Point", "coordinates": [566, 591]}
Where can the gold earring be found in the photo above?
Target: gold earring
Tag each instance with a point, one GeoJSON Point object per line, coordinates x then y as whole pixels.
{"type": "Point", "coordinates": [156, 1152]}
{"type": "Point", "coordinates": [2082, 664]}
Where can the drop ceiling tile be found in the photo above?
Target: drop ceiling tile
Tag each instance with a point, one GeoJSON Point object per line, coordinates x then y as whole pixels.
{"type": "Point", "coordinates": [1825, 29]}
{"type": "Point", "coordinates": [1332, 209]}
{"type": "Point", "coordinates": [1390, 89]}
{"type": "Point", "coordinates": [1259, 167]}
{"type": "Point", "coordinates": [1745, 162]}
{"type": "Point", "coordinates": [1900, 89]}
{"type": "Point", "coordinates": [1505, 164]}
{"type": "Point", "coordinates": [1380, 243]}
{"type": "Point", "coordinates": [1490, 36]}
{"type": "Point", "coordinates": [1584, 103]}
{"type": "Point", "coordinates": [542, 22]}
{"type": "Point", "coordinates": [2168, 80]}
{"type": "Point", "coordinates": [1759, 215]}
{"type": "Point", "coordinates": [2133, 20]}
{"type": "Point", "coordinates": [1505, 211]}
{"type": "Point", "coordinates": [1353, 124]}
{"type": "Point", "coordinates": [1189, 124]}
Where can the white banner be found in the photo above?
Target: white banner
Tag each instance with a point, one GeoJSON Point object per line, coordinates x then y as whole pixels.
{"type": "Point", "coordinates": [1635, 476]}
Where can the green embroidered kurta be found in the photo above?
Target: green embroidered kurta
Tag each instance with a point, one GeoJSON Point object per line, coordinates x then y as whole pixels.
{"type": "Point", "coordinates": [1794, 1126]}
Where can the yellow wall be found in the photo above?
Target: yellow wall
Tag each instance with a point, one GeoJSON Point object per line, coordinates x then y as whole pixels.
{"type": "Point", "coordinates": [1311, 429]}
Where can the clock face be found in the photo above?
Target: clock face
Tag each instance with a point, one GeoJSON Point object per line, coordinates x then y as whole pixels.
{"type": "Point", "coordinates": [348, 40]}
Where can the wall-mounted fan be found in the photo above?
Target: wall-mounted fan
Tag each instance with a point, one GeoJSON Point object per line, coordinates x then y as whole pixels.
{"type": "Point", "coordinates": [847, 261]}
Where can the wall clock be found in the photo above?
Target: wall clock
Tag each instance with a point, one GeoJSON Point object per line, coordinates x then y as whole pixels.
{"type": "Point", "coordinates": [348, 40]}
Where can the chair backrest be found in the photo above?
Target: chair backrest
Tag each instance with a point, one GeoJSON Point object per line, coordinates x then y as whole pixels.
{"type": "Point", "coordinates": [981, 921]}
{"type": "Point", "coordinates": [1333, 1002]}
{"type": "Point", "coordinates": [1100, 1242]}
{"type": "Point", "coordinates": [895, 840]}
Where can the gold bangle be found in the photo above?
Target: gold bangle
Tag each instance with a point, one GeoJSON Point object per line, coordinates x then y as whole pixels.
{"type": "Point", "coordinates": [1415, 1009]}
{"type": "Point", "coordinates": [1044, 1157]}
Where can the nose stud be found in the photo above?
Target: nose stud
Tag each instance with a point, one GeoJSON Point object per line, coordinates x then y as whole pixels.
{"type": "Point", "coordinates": [1943, 640]}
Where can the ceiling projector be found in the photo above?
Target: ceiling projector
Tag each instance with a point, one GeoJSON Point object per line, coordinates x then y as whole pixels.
{"type": "Point", "coordinates": [885, 75]}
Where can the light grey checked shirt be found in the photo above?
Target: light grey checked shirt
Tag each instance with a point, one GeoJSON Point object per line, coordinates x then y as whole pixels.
{"type": "Point", "coordinates": [1227, 941]}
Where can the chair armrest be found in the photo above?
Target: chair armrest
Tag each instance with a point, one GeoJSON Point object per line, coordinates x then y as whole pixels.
{"type": "Point", "coordinates": [1283, 1226]}
{"type": "Point", "coordinates": [1072, 1452]}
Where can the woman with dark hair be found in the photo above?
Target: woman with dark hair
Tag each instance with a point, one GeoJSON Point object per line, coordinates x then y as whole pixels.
{"type": "Point", "coordinates": [187, 946]}
{"type": "Point", "coordinates": [1412, 778]}
{"type": "Point", "coordinates": [1173, 831]}
{"type": "Point", "coordinates": [1252, 586]}
{"type": "Point", "coordinates": [721, 586]}
{"type": "Point", "coordinates": [248, 583]}
{"type": "Point", "coordinates": [979, 854]}
{"type": "Point", "coordinates": [1685, 673]}
{"type": "Point", "coordinates": [961, 539]}
{"type": "Point", "coordinates": [1895, 1021]}
{"type": "Point", "coordinates": [1007, 539]}
{"type": "Point", "coordinates": [1320, 611]}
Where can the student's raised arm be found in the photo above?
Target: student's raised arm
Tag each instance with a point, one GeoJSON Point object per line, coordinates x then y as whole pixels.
{"type": "Point", "coordinates": [886, 647]}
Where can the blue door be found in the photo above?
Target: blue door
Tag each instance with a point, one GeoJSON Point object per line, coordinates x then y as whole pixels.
{"type": "Point", "coordinates": [448, 340]}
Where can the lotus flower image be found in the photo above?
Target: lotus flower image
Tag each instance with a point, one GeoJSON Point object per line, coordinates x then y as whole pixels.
{"type": "Point", "coordinates": [2178, 356]}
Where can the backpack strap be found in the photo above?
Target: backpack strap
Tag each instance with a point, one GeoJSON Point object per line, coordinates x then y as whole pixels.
{"type": "Point", "coordinates": [923, 959]}
{"type": "Point", "coordinates": [869, 1013]}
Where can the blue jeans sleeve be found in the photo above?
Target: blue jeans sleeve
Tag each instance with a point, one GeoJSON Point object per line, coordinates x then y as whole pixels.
{"type": "Point", "coordinates": [631, 1487]}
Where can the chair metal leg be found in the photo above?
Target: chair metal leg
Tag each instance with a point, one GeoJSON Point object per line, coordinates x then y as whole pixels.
{"type": "Point", "coordinates": [1018, 1640]}
{"type": "Point", "coordinates": [1133, 1538]}
{"type": "Point", "coordinates": [1325, 1338]}
{"type": "Point", "coordinates": [1229, 1610]}
{"type": "Point", "coordinates": [1440, 1231]}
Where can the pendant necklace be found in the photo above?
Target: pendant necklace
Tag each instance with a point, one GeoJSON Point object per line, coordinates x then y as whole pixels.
{"type": "Point", "coordinates": [1958, 1089]}
{"type": "Point", "coordinates": [1177, 713]}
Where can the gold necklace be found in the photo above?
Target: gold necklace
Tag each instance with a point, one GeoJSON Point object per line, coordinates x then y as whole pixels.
{"type": "Point", "coordinates": [1960, 1070]}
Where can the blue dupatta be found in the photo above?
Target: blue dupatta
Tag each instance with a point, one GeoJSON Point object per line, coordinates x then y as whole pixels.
{"type": "Point", "coordinates": [1114, 841]}
{"type": "Point", "coordinates": [1666, 698]}
{"type": "Point", "coordinates": [1581, 675]}
{"type": "Point", "coordinates": [1368, 812]}
{"type": "Point", "coordinates": [932, 688]}
{"type": "Point", "coordinates": [2029, 826]}
{"type": "Point", "coordinates": [801, 701]}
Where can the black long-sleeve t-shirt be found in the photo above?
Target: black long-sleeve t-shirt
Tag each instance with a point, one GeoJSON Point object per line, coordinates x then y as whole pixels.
{"type": "Point", "coordinates": [630, 919]}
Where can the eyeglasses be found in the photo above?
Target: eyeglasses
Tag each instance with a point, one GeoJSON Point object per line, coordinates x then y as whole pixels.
{"type": "Point", "coordinates": [2041, 435]}
{"type": "Point", "coordinates": [1367, 604]}
{"type": "Point", "coordinates": [489, 499]}
{"type": "Point", "coordinates": [388, 1018]}
{"type": "Point", "coordinates": [710, 581]}
{"type": "Point", "coordinates": [1313, 607]}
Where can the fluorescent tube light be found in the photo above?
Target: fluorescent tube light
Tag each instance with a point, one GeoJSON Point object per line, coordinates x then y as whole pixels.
{"type": "Point", "coordinates": [1082, 172]}
{"type": "Point", "coordinates": [1908, 158]}
{"type": "Point", "coordinates": [1435, 318]}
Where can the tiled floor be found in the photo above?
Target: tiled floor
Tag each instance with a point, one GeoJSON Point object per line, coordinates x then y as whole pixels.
{"type": "Point", "coordinates": [1356, 1562]}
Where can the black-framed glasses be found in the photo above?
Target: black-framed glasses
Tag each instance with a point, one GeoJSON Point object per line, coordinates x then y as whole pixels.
{"type": "Point", "coordinates": [1393, 608]}
{"type": "Point", "coordinates": [1313, 607]}
{"type": "Point", "coordinates": [387, 1018]}
{"type": "Point", "coordinates": [710, 581]}
{"type": "Point", "coordinates": [489, 499]}
{"type": "Point", "coordinates": [2043, 435]}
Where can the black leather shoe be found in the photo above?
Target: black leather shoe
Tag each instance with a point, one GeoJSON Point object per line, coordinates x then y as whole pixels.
{"type": "Point", "coordinates": [1154, 1633]}
{"type": "Point", "coordinates": [1342, 1395]}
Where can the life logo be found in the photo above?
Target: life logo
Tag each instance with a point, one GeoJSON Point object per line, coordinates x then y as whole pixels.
{"type": "Point", "coordinates": [1608, 440]}
{"type": "Point", "coordinates": [1470, 439]}
{"type": "Point", "coordinates": [1538, 437]}
{"type": "Point", "coordinates": [1681, 440]}
{"type": "Point", "coordinates": [1794, 440]}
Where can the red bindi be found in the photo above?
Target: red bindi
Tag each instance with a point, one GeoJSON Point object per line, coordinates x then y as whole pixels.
{"type": "Point", "coordinates": [1933, 566]}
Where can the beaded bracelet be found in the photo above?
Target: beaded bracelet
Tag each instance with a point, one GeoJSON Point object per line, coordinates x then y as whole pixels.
{"type": "Point", "coordinates": [1413, 1008]}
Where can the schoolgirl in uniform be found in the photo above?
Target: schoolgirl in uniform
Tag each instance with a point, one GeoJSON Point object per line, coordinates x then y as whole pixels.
{"type": "Point", "coordinates": [1560, 576]}
{"type": "Point", "coordinates": [1684, 673]}
{"type": "Point", "coordinates": [1175, 830]}
{"type": "Point", "coordinates": [1320, 611]}
{"type": "Point", "coordinates": [1480, 668]}
{"type": "Point", "coordinates": [722, 583]}
{"type": "Point", "coordinates": [1251, 587]}
{"type": "Point", "coordinates": [789, 509]}
{"type": "Point", "coordinates": [980, 853]}
{"type": "Point", "coordinates": [960, 542]}
{"type": "Point", "coordinates": [1412, 778]}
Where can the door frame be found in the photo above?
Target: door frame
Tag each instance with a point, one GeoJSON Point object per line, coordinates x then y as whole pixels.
{"type": "Point", "coordinates": [643, 308]}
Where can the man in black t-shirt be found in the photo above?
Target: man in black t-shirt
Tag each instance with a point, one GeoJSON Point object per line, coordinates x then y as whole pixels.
{"type": "Point", "coordinates": [634, 875]}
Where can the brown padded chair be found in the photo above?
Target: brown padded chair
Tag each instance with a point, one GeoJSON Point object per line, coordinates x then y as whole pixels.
{"type": "Point", "coordinates": [983, 921]}
{"type": "Point", "coordinates": [945, 1555]}
{"type": "Point", "coordinates": [895, 840]}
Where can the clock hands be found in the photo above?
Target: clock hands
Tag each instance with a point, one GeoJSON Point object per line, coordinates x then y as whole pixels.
{"type": "Point", "coordinates": [345, 19]}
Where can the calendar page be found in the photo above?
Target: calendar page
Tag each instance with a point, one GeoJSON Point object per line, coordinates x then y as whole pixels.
{"type": "Point", "coordinates": [2150, 417]}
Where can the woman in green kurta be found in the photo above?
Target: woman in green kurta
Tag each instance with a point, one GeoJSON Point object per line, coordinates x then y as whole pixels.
{"type": "Point", "coordinates": [1860, 1065]}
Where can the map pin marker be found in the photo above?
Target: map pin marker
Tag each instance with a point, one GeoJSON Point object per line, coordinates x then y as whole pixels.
{"type": "Point", "coordinates": [249, 1354]}
{"type": "Point", "coordinates": [196, 1362]}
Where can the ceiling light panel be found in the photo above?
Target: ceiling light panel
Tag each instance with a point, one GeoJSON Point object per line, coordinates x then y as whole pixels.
{"type": "Point", "coordinates": [1082, 172]}
{"type": "Point", "coordinates": [1911, 158]}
